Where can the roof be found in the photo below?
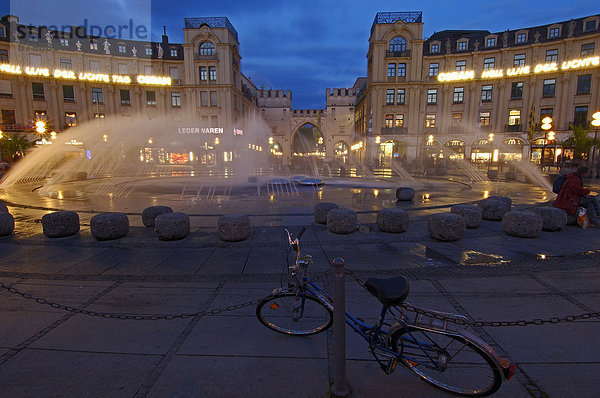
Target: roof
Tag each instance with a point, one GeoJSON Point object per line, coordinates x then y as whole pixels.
{"type": "Point", "coordinates": [211, 22]}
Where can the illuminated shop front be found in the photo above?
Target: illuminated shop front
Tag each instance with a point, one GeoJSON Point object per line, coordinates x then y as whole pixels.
{"type": "Point", "coordinates": [455, 149]}
{"type": "Point", "coordinates": [390, 150]}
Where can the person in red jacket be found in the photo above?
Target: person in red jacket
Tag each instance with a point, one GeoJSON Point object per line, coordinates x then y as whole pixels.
{"type": "Point", "coordinates": [572, 195]}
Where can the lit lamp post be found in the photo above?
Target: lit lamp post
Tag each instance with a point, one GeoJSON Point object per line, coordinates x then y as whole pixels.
{"type": "Point", "coordinates": [546, 125]}
{"type": "Point", "coordinates": [596, 124]}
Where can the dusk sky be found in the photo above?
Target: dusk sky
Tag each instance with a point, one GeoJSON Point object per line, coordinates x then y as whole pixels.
{"type": "Point", "coordinates": [305, 46]}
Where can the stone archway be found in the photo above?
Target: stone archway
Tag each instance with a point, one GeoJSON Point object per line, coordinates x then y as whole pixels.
{"type": "Point", "coordinates": [308, 144]}
{"type": "Point", "coordinates": [341, 151]}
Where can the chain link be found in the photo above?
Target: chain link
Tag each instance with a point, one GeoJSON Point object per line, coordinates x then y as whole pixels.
{"type": "Point", "coordinates": [462, 322]}
{"type": "Point", "coordinates": [135, 317]}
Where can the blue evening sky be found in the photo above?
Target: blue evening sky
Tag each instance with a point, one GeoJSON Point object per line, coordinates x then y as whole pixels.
{"type": "Point", "coordinates": [302, 45]}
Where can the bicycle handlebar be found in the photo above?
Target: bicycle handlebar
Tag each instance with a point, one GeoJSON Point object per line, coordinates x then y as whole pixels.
{"type": "Point", "coordinates": [301, 232]}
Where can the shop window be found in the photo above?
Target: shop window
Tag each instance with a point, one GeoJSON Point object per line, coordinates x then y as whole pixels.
{"type": "Point", "coordinates": [70, 119]}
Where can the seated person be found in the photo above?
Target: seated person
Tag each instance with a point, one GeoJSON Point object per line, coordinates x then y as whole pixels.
{"type": "Point", "coordinates": [572, 195]}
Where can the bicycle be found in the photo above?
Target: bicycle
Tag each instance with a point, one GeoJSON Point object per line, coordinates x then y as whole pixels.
{"type": "Point", "coordinates": [433, 347]}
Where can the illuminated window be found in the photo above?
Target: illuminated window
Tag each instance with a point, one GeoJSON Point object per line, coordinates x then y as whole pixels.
{"type": "Point", "coordinates": [65, 63]}
{"type": "Point", "coordinates": [514, 117]}
{"type": "Point", "coordinates": [489, 63]}
{"type": "Point", "coordinates": [486, 93]}
{"type": "Point", "coordinates": [203, 73]}
{"type": "Point", "coordinates": [554, 33]}
{"type": "Point", "coordinates": [399, 121]}
{"type": "Point", "coordinates": [64, 42]}
{"type": "Point", "coordinates": [93, 45]}
{"type": "Point", "coordinates": [401, 70]}
{"type": "Point", "coordinates": [68, 94]}
{"type": "Point", "coordinates": [484, 119]}
{"type": "Point", "coordinates": [173, 52]}
{"type": "Point", "coordinates": [588, 49]}
{"type": "Point", "coordinates": [38, 91]}
{"type": "Point", "coordinates": [432, 96]}
{"type": "Point", "coordinates": [519, 60]}
{"type": "Point", "coordinates": [430, 121]}
{"type": "Point", "coordinates": [552, 55]}
{"type": "Point", "coordinates": [389, 121]}
{"type": "Point", "coordinates": [212, 73]}
{"type": "Point", "coordinates": [97, 97]}
{"type": "Point", "coordinates": [490, 42]}
{"type": "Point", "coordinates": [148, 51]}
{"type": "Point", "coordinates": [125, 97]}
{"type": "Point", "coordinates": [122, 49]}
{"type": "Point", "coordinates": [584, 84]}
{"type": "Point", "coordinates": [516, 91]}
{"type": "Point", "coordinates": [40, 115]}
{"type": "Point", "coordinates": [391, 70]}
{"type": "Point", "coordinates": [461, 65]}
{"type": "Point", "coordinates": [8, 116]}
{"type": "Point", "coordinates": [176, 100]}
{"type": "Point", "coordinates": [459, 95]}
{"type": "Point", "coordinates": [521, 38]}
{"type": "Point", "coordinates": [400, 96]}
{"type": "Point", "coordinates": [397, 44]}
{"type": "Point", "coordinates": [70, 119]}
{"type": "Point", "coordinates": [435, 48]}
{"type": "Point", "coordinates": [549, 88]}
{"type": "Point", "coordinates": [434, 69]}
{"type": "Point", "coordinates": [99, 115]}
{"type": "Point", "coordinates": [389, 97]}
{"type": "Point", "coordinates": [462, 46]}
{"type": "Point", "coordinates": [151, 98]}
{"type": "Point", "coordinates": [207, 48]}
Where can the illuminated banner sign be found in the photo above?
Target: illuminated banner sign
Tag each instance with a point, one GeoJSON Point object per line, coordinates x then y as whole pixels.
{"type": "Point", "coordinates": [200, 130]}
{"type": "Point", "coordinates": [566, 66]}
{"type": "Point", "coordinates": [85, 77]}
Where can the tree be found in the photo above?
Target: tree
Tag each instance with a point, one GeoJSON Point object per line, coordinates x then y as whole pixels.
{"type": "Point", "coordinates": [15, 145]}
{"type": "Point", "coordinates": [579, 140]}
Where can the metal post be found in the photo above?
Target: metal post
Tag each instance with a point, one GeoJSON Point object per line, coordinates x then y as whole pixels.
{"type": "Point", "coordinates": [340, 387]}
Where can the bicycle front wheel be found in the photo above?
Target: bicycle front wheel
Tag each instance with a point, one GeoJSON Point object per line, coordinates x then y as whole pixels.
{"type": "Point", "coordinates": [290, 314]}
{"type": "Point", "coordinates": [449, 362]}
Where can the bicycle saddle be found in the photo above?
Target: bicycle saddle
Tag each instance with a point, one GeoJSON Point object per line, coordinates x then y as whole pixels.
{"type": "Point", "coordinates": [389, 291]}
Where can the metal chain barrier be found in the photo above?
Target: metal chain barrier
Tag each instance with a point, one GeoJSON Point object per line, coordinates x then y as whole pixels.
{"type": "Point", "coordinates": [135, 317]}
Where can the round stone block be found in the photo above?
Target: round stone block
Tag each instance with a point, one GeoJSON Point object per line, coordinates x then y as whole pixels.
{"type": "Point", "coordinates": [510, 175]}
{"type": "Point", "coordinates": [107, 226]}
{"type": "Point", "coordinates": [447, 227]}
{"type": "Point", "coordinates": [60, 224]}
{"type": "Point", "coordinates": [150, 213]}
{"type": "Point", "coordinates": [392, 220]}
{"type": "Point", "coordinates": [341, 221]}
{"type": "Point", "coordinates": [233, 227]}
{"type": "Point", "coordinates": [81, 175]}
{"type": "Point", "coordinates": [522, 224]}
{"type": "Point", "coordinates": [471, 214]}
{"type": "Point", "coordinates": [492, 209]}
{"type": "Point", "coordinates": [504, 199]}
{"type": "Point", "coordinates": [553, 219]}
{"type": "Point", "coordinates": [321, 210]}
{"type": "Point", "coordinates": [172, 226]}
{"type": "Point", "coordinates": [7, 224]}
{"type": "Point", "coordinates": [492, 174]}
{"type": "Point", "coordinates": [3, 208]}
{"type": "Point", "coordinates": [405, 193]}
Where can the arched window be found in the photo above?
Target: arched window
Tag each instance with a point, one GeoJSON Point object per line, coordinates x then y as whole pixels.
{"type": "Point", "coordinates": [397, 44]}
{"type": "Point", "coordinates": [207, 48]}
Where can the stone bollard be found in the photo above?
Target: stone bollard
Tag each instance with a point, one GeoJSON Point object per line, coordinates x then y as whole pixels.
{"type": "Point", "coordinates": [3, 208]}
{"type": "Point", "coordinates": [471, 214]}
{"type": "Point", "coordinates": [108, 226]}
{"type": "Point", "coordinates": [447, 227]}
{"type": "Point", "coordinates": [339, 387]}
{"type": "Point", "coordinates": [553, 219]}
{"type": "Point", "coordinates": [405, 194]}
{"type": "Point", "coordinates": [321, 210]}
{"type": "Point", "coordinates": [522, 224]}
{"type": "Point", "coordinates": [341, 221]}
{"type": "Point", "coordinates": [392, 220]}
{"type": "Point", "coordinates": [234, 227]}
{"type": "Point", "coordinates": [504, 199]}
{"type": "Point", "coordinates": [172, 226]}
{"type": "Point", "coordinates": [7, 224]}
{"type": "Point", "coordinates": [150, 213]}
{"type": "Point", "coordinates": [493, 209]}
{"type": "Point", "coordinates": [60, 224]}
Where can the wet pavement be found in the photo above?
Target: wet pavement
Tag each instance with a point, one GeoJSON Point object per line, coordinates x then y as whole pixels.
{"type": "Point", "coordinates": [487, 275]}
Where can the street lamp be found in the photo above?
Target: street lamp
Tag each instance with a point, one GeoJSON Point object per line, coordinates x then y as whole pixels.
{"type": "Point", "coordinates": [596, 124]}
{"type": "Point", "coordinates": [546, 125]}
{"type": "Point", "coordinates": [40, 127]}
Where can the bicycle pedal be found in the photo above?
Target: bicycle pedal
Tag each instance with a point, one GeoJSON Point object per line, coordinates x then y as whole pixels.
{"type": "Point", "coordinates": [391, 367]}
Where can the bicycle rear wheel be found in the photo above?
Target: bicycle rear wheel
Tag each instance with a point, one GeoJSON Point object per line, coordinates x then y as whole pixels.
{"type": "Point", "coordinates": [288, 314]}
{"type": "Point", "coordinates": [449, 362]}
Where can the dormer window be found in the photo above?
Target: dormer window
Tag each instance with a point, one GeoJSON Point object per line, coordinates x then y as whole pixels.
{"type": "Point", "coordinates": [435, 48]}
{"type": "Point", "coordinates": [462, 45]}
{"type": "Point", "coordinates": [207, 48]}
{"type": "Point", "coordinates": [490, 42]}
{"type": "Point", "coordinates": [397, 44]}
{"type": "Point", "coordinates": [122, 49]}
{"type": "Point", "coordinates": [93, 45]}
{"type": "Point", "coordinates": [521, 37]}
{"type": "Point", "coordinates": [173, 52]}
{"type": "Point", "coordinates": [2, 31]}
{"type": "Point", "coordinates": [148, 50]}
{"type": "Point", "coordinates": [553, 32]}
{"type": "Point", "coordinates": [589, 25]}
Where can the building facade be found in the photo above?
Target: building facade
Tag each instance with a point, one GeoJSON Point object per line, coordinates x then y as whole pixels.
{"type": "Point", "coordinates": [475, 95]}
